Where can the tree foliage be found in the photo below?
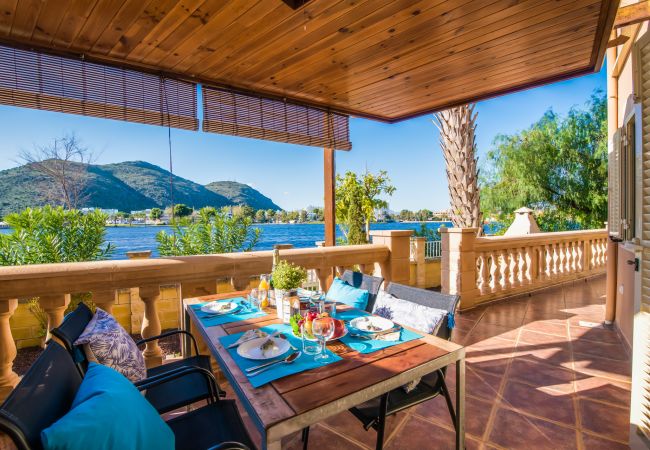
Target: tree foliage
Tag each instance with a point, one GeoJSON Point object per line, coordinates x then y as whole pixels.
{"type": "Point", "coordinates": [357, 198]}
{"type": "Point", "coordinates": [212, 232]}
{"type": "Point", "coordinates": [558, 167]}
{"type": "Point", "coordinates": [156, 213]}
{"type": "Point", "coordinates": [181, 210]}
{"type": "Point", "coordinates": [54, 235]}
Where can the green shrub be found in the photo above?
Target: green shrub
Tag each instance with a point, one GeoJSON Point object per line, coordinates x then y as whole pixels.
{"type": "Point", "coordinates": [212, 232]}
{"type": "Point", "coordinates": [54, 235]}
{"type": "Point", "coordinates": [287, 276]}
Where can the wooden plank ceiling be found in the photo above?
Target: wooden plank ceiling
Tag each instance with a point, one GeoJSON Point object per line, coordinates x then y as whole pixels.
{"type": "Point", "coordinates": [383, 59]}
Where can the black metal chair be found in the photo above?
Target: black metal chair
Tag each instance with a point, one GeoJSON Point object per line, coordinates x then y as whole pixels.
{"type": "Point", "coordinates": [373, 413]}
{"type": "Point", "coordinates": [46, 392]}
{"type": "Point", "coordinates": [362, 281]}
{"type": "Point", "coordinates": [165, 397]}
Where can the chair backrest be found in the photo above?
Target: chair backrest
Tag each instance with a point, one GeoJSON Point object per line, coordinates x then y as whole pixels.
{"type": "Point", "coordinates": [69, 331]}
{"type": "Point", "coordinates": [43, 396]}
{"type": "Point", "coordinates": [362, 281]}
{"type": "Point", "coordinates": [432, 299]}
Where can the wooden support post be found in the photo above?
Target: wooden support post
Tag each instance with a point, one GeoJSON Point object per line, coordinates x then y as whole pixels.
{"type": "Point", "coordinates": [329, 172]}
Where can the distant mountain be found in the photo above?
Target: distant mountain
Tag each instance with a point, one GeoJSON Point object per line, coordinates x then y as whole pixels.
{"type": "Point", "coordinates": [126, 186]}
{"type": "Point", "coordinates": [242, 194]}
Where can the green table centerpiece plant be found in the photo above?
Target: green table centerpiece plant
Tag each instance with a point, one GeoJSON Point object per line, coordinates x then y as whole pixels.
{"type": "Point", "coordinates": [287, 278]}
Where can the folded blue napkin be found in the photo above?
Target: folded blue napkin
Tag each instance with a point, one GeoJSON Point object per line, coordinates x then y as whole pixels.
{"type": "Point", "coordinates": [373, 345]}
{"type": "Point", "coordinates": [211, 320]}
{"type": "Point", "coordinates": [303, 363]}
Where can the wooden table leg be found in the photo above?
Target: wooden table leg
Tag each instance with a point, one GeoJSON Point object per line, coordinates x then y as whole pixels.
{"type": "Point", "coordinates": [460, 404]}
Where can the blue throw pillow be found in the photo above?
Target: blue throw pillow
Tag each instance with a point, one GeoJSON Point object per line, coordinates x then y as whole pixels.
{"type": "Point", "coordinates": [340, 291]}
{"type": "Point", "coordinates": [108, 412]}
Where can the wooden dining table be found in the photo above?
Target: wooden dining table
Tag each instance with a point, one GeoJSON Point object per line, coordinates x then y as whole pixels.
{"type": "Point", "coordinates": [290, 404]}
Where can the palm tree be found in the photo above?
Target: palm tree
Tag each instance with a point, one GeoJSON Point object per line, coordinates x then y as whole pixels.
{"type": "Point", "coordinates": [457, 139]}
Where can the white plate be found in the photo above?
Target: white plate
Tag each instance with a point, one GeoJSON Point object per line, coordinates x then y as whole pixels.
{"type": "Point", "coordinates": [371, 324]}
{"type": "Point", "coordinates": [220, 307]}
{"type": "Point", "coordinates": [251, 349]}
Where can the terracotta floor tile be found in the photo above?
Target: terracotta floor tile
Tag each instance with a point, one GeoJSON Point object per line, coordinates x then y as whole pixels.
{"type": "Point", "coordinates": [418, 433]}
{"type": "Point", "coordinates": [507, 315]}
{"type": "Point", "coordinates": [516, 431]}
{"type": "Point", "coordinates": [534, 315]}
{"type": "Point", "coordinates": [348, 425]}
{"type": "Point", "coordinates": [436, 410]}
{"type": "Point", "coordinates": [492, 366]}
{"type": "Point", "coordinates": [557, 353]}
{"type": "Point", "coordinates": [608, 336]}
{"type": "Point", "coordinates": [591, 442]}
{"type": "Point", "coordinates": [555, 327]}
{"type": "Point", "coordinates": [536, 337]}
{"type": "Point", "coordinates": [595, 388]}
{"type": "Point", "coordinates": [321, 437]}
{"type": "Point", "coordinates": [548, 405]}
{"type": "Point", "coordinates": [472, 314]}
{"type": "Point", "coordinates": [610, 351]}
{"type": "Point", "coordinates": [483, 331]}
{"type": "Point", "coordinates": [482, 384]}
{"type": "Point", "coordinates": [477, 413]}
{"type": "Point", "coordinates": [601, 367]}
{"type": "Point", "coordinates": [606, 420]}
{"type": "Point", "coordinates": [540, 374]}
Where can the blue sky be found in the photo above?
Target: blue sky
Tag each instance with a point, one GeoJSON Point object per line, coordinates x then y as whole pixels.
{"type": "Point", "coordinates": [292, 175]}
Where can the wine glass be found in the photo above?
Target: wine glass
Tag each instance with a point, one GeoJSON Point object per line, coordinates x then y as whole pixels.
{"type": "Point", "coordinates": [323, 329]}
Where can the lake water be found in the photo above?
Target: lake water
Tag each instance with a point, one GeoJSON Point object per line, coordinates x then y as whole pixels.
{"type": "Point", "coordinates": [300, 235]}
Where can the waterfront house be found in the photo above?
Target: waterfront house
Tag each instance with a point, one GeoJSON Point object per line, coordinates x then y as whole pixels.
{"type": "Point", "coordinates": [541, 371]}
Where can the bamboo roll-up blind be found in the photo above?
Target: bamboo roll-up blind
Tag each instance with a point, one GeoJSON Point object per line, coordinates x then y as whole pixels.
{"type": "Point", "coordinates": [249, 115]}
{"type": "Point", "coordinates": [38, 80]}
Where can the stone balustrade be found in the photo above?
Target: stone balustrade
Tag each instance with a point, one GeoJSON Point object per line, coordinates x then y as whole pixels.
{"type": "Point", "coordinates": [481, 269]}
{"type": "Point", "coordinates": [144, 277]}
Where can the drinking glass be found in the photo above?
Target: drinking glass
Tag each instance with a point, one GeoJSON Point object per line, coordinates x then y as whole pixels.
{"type": "Point", "coordinates": [323, 329]}
{"type": "Point", "coordinates": [309, 346]}
{"type": "Point", "coordinates": [262, 297]}
{"type": "Point", "coordinates": [253, 300]}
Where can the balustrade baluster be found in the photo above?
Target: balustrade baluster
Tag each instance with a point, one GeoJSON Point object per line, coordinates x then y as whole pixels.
{"type": "Point", "coordinates": [105, 300]}
{"type": "Point", "coordinates": [485, 274]}
{"type": "Point", "coordinates": [150, 295]}
{"type": "Point", "coordinates": [505, 269]}
{"type": "Point", "coordinates": [8, 378]}
{"type": "Point", "coordinates": [54, 306]}
{"type": "Point", "coordinates": [522, 266]}
{"type": "Point", "coordinates": [495, 284]}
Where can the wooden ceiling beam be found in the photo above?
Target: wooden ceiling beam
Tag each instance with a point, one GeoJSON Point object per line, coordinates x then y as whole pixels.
{"type": "Point", "coordinates": [631, 14]}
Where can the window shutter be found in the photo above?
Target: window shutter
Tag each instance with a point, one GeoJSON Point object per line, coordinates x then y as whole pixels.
{"type": "Point", "coordinates": [248, 115]}
{"type": "Point", "coordinates": [614, 186]}
{"type": "Point", "coordinates": [42, 81]}
{"type": "Point", "coordinates": [640, 408]}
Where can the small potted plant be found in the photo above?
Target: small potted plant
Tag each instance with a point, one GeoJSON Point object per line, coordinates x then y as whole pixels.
{"type": "Point", "coordinates": [287, 278]}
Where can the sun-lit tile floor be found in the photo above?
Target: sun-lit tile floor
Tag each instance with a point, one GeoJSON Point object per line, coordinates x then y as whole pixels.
{"type": "Point", "coordinates": [540, 375]}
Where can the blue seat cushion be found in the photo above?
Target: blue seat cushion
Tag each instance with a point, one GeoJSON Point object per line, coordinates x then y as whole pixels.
{"type": "Point", "coordinates": [340, 291]}
{"type": "Point", "coordinates": [108, 412]}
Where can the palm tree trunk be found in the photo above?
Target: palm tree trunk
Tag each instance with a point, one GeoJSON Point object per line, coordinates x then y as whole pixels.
{"type": "Point", "coordinates": [457, 139]}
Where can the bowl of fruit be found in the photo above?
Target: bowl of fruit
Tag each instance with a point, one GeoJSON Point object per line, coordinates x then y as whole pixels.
{"type": "Point", "coordinates": [298, 321]}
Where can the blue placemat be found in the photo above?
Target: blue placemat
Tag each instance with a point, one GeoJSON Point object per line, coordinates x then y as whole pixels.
{"type": "Point", "coordinates": [369, 346]}
{"type": "Point", "coordinates": [304, 362]}
{"type": "Point", "coordinates": [210, 320]}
